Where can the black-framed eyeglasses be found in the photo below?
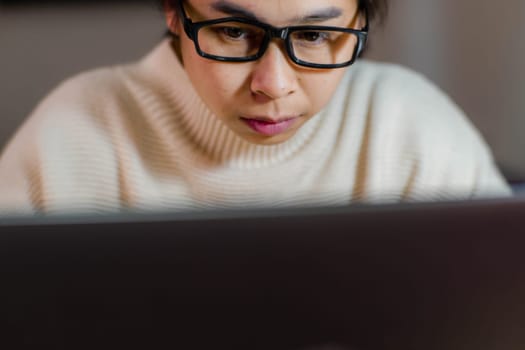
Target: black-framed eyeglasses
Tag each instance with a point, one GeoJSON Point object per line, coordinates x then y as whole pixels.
{"type": "Point", "coordinates": [239, 39]}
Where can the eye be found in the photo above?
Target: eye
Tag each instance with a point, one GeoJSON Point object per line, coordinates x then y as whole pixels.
{"type": "Point", "coordinates": [312, 37]}
{"type": "Point", "coordinates": [232, 32]}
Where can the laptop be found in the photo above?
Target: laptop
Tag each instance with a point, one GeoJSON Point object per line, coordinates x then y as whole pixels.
{"type": "Point", "coordinates": [415, 276]}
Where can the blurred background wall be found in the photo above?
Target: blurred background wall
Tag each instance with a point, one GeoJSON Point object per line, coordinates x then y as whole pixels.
{"type": "Point", "coordinates": [472, 49]}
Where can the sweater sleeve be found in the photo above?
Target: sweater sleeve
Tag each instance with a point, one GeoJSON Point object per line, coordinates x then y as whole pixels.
{"type": "Point", "coordinates": [19, 175]}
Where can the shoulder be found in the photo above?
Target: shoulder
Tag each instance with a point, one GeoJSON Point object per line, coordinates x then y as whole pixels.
{"type": "Point", "coordinates": [82, 106]}
{"type": "Point", "coordinates": [399, 99]}
{"type": "Point", "coordinates": [84, 93]}
{"type": "Point", "coordinates": [71, 120]}
{"type": "Point", "coordinates": [402, 101]}
{"type": "Point", "coordinates": [66, 144]}
{"type": "Point", "coordinates": [415, 125]}
{"type": "Point", "coordinates": [99, 109]}
{"type": "Point", "coordinates": [396, 85]}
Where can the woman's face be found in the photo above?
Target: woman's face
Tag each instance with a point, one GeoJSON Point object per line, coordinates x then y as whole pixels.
{"type": "Point", "coordinates": [265, 101]}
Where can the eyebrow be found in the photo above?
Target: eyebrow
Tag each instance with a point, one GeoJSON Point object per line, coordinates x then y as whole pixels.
{"type": "Point", "coordinates": [315, 16]}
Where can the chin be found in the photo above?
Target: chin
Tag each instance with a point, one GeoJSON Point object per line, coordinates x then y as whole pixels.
{"type": "Point", "coordinates": [267, 140]}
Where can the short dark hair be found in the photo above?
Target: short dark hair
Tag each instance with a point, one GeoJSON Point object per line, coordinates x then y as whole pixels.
{"type": "Point", "coordinates": [376, 9]}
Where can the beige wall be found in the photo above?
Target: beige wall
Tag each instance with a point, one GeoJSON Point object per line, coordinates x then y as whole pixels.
{"type": "Point", "coordinates": [473, 49]}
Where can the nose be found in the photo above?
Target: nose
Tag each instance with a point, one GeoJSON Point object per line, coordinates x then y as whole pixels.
{"type": "Point", "coordinates": [273, 76]}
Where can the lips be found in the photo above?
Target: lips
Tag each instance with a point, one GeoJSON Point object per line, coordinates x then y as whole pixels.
{"type": "Point", "coordinates": [268, 126]}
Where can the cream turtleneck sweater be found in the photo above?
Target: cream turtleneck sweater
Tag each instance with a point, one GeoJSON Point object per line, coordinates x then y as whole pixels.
{"type": "Point", "coordinates": [139, 137]}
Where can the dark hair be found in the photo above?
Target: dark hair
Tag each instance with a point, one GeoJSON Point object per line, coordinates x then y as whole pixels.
{"type": "Point", "coordinates": [376, 9]}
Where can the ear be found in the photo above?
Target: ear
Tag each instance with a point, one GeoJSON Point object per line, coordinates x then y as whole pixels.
{"type": "Point", "coordinates": [360, 20]}
{"type": "Point", "coordinates": [172, 20]}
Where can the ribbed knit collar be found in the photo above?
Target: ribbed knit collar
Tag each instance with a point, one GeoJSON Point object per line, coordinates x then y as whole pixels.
{"type": "Point", "coordinates": [208, 134]}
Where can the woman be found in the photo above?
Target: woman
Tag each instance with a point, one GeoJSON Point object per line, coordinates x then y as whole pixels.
{"type": "Point", "coordinates": [251, 103]}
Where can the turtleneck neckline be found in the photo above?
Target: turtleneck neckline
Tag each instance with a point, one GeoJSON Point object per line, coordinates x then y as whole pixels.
{"type": "Point", "coordinates": [207, 133]}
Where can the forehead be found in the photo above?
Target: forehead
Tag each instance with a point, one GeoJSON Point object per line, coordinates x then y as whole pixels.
{"type": "Point", "coordinates": [276, 11]}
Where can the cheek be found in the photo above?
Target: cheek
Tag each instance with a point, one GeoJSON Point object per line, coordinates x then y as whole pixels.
{"type": "Point", "coordinates": [320, 87]}
{"type": "Point", "coordinates": [215, 82]}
